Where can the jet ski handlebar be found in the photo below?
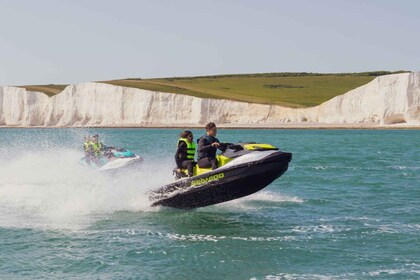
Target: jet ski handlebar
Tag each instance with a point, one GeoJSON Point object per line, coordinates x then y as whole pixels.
{"type": "Point", "coordinates": [232, 146]}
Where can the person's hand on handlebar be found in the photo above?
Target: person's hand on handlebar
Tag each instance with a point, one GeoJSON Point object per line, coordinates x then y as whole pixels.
{"type": "Point", "coordinates": [215, 144]}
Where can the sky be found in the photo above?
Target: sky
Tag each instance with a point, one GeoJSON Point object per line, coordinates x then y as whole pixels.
{"type": "Point", "coordinates": [57, 41]}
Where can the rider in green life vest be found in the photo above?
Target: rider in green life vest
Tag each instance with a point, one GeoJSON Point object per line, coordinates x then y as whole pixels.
{"type": "Point", "coordinates": [87, 147]}
{"type": "Point", "coordinates": [97, 146]}
{"type": "Point", "coordinates": [184, 156]}
{"type": "Point", "coordinates": [96, 150]}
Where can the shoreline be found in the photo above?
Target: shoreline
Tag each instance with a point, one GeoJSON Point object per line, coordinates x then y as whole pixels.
{"type": "Point", "coordinates": [308, 126]}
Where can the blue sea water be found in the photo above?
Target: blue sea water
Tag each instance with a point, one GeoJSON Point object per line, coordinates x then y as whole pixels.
{"type": "Point", "coordinates": [347, 208]}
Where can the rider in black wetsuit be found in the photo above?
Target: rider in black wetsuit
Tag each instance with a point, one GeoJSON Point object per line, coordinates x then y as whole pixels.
{"type": "Point", "coordinates": [207, 148]}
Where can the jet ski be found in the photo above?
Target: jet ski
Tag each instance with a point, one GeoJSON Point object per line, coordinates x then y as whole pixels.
{"type": "Point", "coordinates": [113, 159]}
{"type": "Point", "coordinates": [244, 169]}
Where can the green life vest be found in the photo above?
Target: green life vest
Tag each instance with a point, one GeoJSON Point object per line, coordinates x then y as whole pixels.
{"type": "Point", "coordinates": [96, 148]}
{"type": "Point", "coordinates": [86, 146]}
{"type": "Point", "coordinates": [190, 148]}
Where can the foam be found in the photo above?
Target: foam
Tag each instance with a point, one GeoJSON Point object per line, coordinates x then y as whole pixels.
{"type": "Point", "coordinates": [393, 272]}
{"type": "Point", "coordinates": [286, 276]}
{"type": "Point", "coordinates": [261, 199]}
{"type": "Point", "coordinates": [216, 238]}
{"type": "Point", "coordinates": [51, 189]}
{"type": "Point", "coordinates": [411, 271]}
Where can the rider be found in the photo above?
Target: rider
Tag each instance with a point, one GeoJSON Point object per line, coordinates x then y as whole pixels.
{"type": "Point", "coordinates": [207, 147]}
{"type": "Point", "coordinates": [87, 147]}
{"type": "Point", "coordinates": [97, 148]}
{"type": "Point", "coordinates": [184, 156]}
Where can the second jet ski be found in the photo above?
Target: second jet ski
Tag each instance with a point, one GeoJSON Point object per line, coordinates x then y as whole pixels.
{"type": "Point", "coordinates": [113, 159]}
{"type": "Point", "coordinates": [244, 169]}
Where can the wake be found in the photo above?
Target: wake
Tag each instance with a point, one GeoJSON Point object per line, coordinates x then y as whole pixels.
{"type": "Point", "coordinates": [51, 189]}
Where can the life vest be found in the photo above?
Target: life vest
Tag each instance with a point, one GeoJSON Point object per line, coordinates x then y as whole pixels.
{"type": "Point", "coordinates": [210, 153]}
{"type": "Point", "coordinates": [96, 148]}
{"type": "Point", "coordinates": [191, 147]}
{"type": "Point", "coordinates": [86, 146]}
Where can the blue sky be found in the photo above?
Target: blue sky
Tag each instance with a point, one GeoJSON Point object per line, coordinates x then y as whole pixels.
{"type": "Point", "coordinates": [76, 41]}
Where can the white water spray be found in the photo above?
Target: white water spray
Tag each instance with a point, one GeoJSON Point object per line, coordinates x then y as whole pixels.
{"type": "Point", "coordinates": [51, 189]}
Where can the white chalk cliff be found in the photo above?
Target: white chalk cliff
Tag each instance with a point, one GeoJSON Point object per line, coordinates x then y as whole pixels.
{"type": "Point", "coordinates": [386, 100]}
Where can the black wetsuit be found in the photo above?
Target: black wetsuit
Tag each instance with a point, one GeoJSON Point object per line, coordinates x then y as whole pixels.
{"type": "Point", "coordinates": [181, 158]}
{"type": "Point", "coordinates": [207, 153]}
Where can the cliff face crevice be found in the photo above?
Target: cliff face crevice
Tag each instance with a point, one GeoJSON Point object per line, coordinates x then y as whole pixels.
{"type": "Point", "coordinates": [392, 99]}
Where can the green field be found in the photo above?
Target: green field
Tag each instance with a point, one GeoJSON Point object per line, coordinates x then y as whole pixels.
{"type": "Point", "coordinates": [287, 89]}
{"type": "Point", "coordinates": [49, 90]}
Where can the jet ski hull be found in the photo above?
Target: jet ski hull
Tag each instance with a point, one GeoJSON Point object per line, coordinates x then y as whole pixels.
{"type": "Point", "coordinates": [119, 160]}
{"type": "Point", "coordinates": [222, 184]}
{"type": "Point", "coordinates": [121, 163]}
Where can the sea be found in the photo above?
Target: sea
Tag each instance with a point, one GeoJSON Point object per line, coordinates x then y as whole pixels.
{"type": "Point", "coordinates": [347, 208]}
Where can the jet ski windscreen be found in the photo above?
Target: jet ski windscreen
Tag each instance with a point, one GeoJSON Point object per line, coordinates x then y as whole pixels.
{"type": "Point", "coordinates": [251, 157]}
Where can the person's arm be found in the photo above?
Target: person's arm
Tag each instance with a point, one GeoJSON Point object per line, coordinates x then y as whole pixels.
{"type": "Point", "coordinates": [181, 149]}
{"type": "Point", "coordinates": [202, 147]}
{"type": "Point", "coordinates": [223, 146]}
{"type": "Point", "coordinates": [103, 147]}
{"type": "Point", "coordinates": [220, 146]}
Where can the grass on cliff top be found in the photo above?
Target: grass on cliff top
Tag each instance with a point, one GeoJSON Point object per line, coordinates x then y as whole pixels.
{"type": "Point", "coordinates": [49, 90]}
{"type": "Point", "coordinates": [287, 89]}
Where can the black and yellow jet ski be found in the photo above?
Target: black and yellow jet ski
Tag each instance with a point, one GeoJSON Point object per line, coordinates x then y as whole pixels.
{"type": "Point", "coordinates": [244, 169]}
